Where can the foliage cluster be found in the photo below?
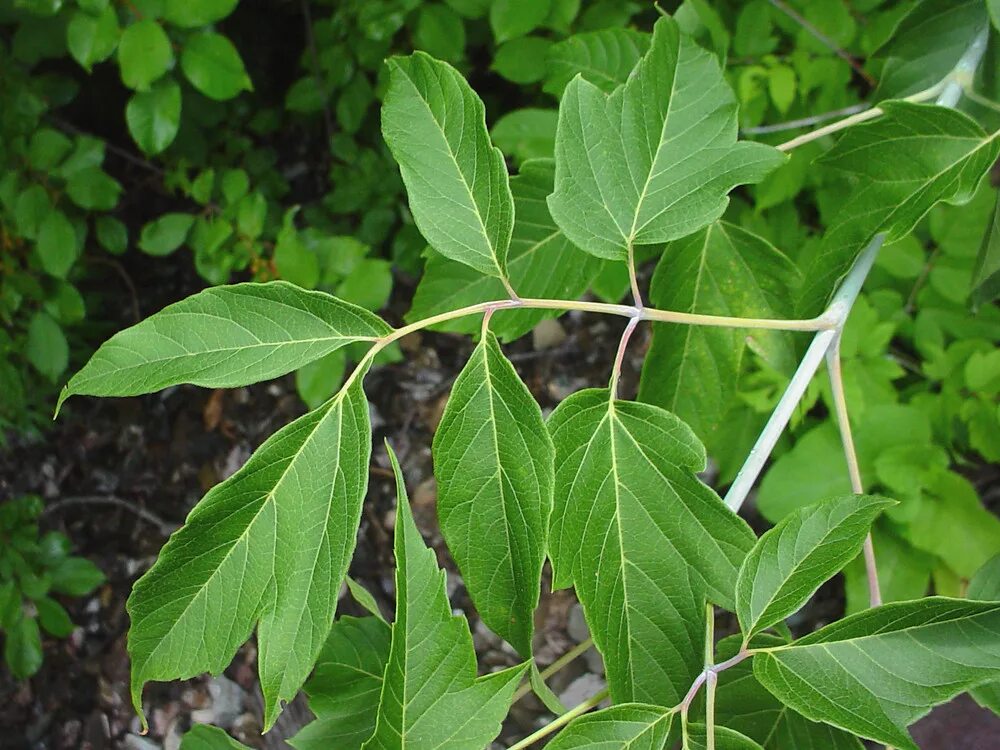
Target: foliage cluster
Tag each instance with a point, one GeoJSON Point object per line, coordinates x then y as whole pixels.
{"type": "Point", "coordinates": [643, 159]}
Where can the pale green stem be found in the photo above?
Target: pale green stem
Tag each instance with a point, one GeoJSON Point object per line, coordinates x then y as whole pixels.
{"type": "Point", "coordinates": [616, 369]}
{"type": "Point", "coordinates": [710, 682]}
{"type": "Point", "coordinates": [556, 666]}
{"type": "Point", "coordinates": [633, 278]}
{"type": "Point", "coordinates": [562, 721]}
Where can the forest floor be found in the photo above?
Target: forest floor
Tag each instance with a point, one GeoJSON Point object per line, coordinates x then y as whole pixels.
{"type": "Point", "coordinates": [119, 475]}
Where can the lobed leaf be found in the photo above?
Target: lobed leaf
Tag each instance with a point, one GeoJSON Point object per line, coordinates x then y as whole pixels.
{"type": "Point", "coordinates": [654, 160]}
{"type": "Point", "coordinates": [793, 559]}
{"type": "Point", "coordinates": [876, 672]}
{"type": "Point", "coordinates": [626, 727]}
{"type": "Point", "coordinates": [269, 546]}
{"type": "Point", "coordinates": [224, 337]}
{"type": "Point", "coordinates": [643, 540]}
{"type": "Point", "coordinates": [456, 179]}
{"type": "Point", "coordinates": [431, 696]}
{"type": "Point", "coordinates": [493, 460]}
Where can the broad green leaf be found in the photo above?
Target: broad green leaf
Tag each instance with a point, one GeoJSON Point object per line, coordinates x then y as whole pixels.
{"type": "Point", "coordinates": [213, 66]}
{"type": "Point", "coordinates": [725, 739]}
{"type": "Point", "coordinates": [112, 234]}
{"type": "Point", "coordinates": [440, 32]}
{"type": "Point", "coordinates": [154, 116]}
{"type": "Point", "coordinates": [522, 60]}
{"type": "Point", "coordinates": [167, 233]}
{"type": "Point", "coordinates": [605, 58]}
{"type": "Point", "coordinates": [642, 539]}
{"type": "Point", "coordinates": [76, 576]}
{"type": "Point", "coordinates": [47, 148]}
{"type": "Point", "coordinates": [513, 18]}
{"type": "Point", "coordinates": [207, 737]}
{"type": "Point", "coordinates": [654, 160]}
{"type": "Point", "coordinates": [456, 179]}
{"type": "Point", "coordinates": [699, 20]}
{"type": "Point", "coordinates": [56, 244]}
{"type": "Point", "coordinates": [316, 381]}
{"type": "Point", "coordinates": [46, 347]}
{"type": "Point", "coordinates": [268, 547]}
{"type": "Point", "coordinates": [189, 14]}
{"type": "Point", "coordinates": [542, 263]}
{"type": "Point", "coordinates": [93, 189]}
{"type": "Point", "coordinates": [876, 672]}
{"type": "Point", "coordinates": [626, 727]}
{"type": "Point", "coordinates": [92, 38]}
{"type": "Point", "coordinates": [791, 560]}
{"type": "Point", "coordinates": [905, 162]}
{"type": "Point", "coordinates": [525, 134]}
{"type": "Point", "coordinates": [431, 696]}
{"type": "Point", "coordinates": [345, 686]}
{"type": "Point", "coordinates": [22, 647]}
{"type": "Point", "coordinates": [53, 618]}
{"type": "Point", "coordinates": [985, 586]}
{"type": "Point", "coordinates": [722, 270]}
{"type": "Point", "coordinates": [927, 44]}
{"type": "Point", "coordinates": [493, 460]}
{"type": "Point", "coordinates": [224, 337]}
{"type": "Point", "coordinates": [986, 274]}
{"type": "Point", "coordinates": [144, 54]}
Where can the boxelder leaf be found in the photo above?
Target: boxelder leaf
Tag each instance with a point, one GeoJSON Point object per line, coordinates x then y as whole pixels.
{"type": "Point", "coordinates": [269, 546]}
{"type": "Point", "coordinates": [605, 58]}
{"type": "Point", "coordinates": [876, 672]}
{"type": "Point", "coordinates": [791, 560]}
{"type": "Point", "coordinates": [725, 739]}
{"type": "Point", "coordinates": [456, 179]}
{"type": "Point", "coordinates": [644, 541]}
{"type": "Point", "coordinates": [542, 263]}
{"type": "Point", "coordinates": [345, 687]}
{"type": "Point", "coordinates": [912, 158]}
{"type": "Point", "coordinates": [207, 737]}
{"type": "Point", "coordinates": [985, 586]}
{"type": "Point", "coordinates": [722, 270]}
{"type": "Point", "coordinates": [513, 18]}
{"type": "Point", "coordinates": [654, 160]}
{"type": "Point", "coordinates": [627, 727]}
{"type": "Point", "coordinates": [493, 459]}
{"type": "Point", "coordinates": [431, 696]}
{"type": "Point", "coordinates": [224, 337]}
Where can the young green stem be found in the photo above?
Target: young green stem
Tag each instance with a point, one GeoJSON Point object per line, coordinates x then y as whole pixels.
{"type": "Point", "coordinates": [562, 721]}
{"type": "Point", "coordinates": [710, 682]}
{"type": "Point", "coordinates": [616, 370]}
{"type": "Point", "coordinates": [556, 666]}
{"type": "Point", "coordinates": [633, 278]}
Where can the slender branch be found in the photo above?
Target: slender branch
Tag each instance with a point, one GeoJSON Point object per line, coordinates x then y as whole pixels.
{"type": "Point", "coordinates": [806, 122]}
{"type": "Point", "coordinates": [616, 370]}
{"type": "Point", "coordinates": [148, 516]}
{"type": "Point", "coordinates": [561, 721]}
{"type": "Point", "coordinates": [633, 278]}
{"type": "Point", "coordinates": [825, 41]}
{"type": "Point", "coordinates": [981, 100]}
{"type": "Point", "coordinates": [556, 666]}
{"type": "Point", "coordinates": [710, 682]}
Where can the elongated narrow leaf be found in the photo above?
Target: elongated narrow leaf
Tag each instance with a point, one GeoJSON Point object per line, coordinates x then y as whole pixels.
{"type": "Point", "coordinates": [725, 739]}
{"type": "Point", "coordinates": [985, 586]}
{"type": "Point", "coordinates": [604, 57]}
{"type": "Point", "coordinates": [345, 687]}
{"type": "Point", "coordinates": [224, 337]}
{"type": "Point", "coordinates": [805, 549]}
{"type": "Point", "coordinates": [876, 672]}
{"type": "Point", "coordinates": [431, 696]}
{"type": "Point", "coordinates": [644, 541]}
{"type": "Point", "coordinates": [493, 460]}
{"type": "Point", "coordinates": [456, 179]}
{"type": "Point", "coordinates": [542, 263]}
{"type": "Point", "coordinates": [269, 546]}
{"type": "Point", "coordinates": [654, 160]}
{"type": "Point", "coordinates": [905, 162]}
{"type": "Point", "coordinates": [627, 727]}
{"type": "Point", "coordinates": [722, 270]}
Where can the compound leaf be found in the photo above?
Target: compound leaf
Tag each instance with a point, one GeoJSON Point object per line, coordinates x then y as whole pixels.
{"type": "Point", "coordinates": [722, 270]}
{"type": "Point", "coordinates": [345, 687]}
{"type": "Point", "coordinates": [627, 727]}
{"type": "Point", "coordinates": [542, 263]}
{"type": "Point", "coordinates": [905, 162]}
{"type": "Point", "coordinates": [431, 696]}
{"type": "Point", "coordinates": [456, 179]}
{"type": "Point", "coordinates": [493, 460]}
{"type": "Point", "coordinates": [269, 546]}
{"type": "Point", "coordinates": [876, 672]}
{"type": "Point", "coordinates": [224, 337]}
{"type": "Point", "coordinates": [654, 160]}
{"type": "Point", "coordinates": [644, 541]}
{"type": "Point", "coordinates": [791, 560]}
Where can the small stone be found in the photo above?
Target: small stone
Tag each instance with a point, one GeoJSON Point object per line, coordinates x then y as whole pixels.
{"type": "Point", "coordinates": [226, 705]}
{"type": "Point", "coordinates": [576, 624]}
{"type": "Point", "coordinates": [137, 742]}
{"type": "Point", "coordinates": [548, 334]}
{"type": "Point", "coordinates": [583, 687]}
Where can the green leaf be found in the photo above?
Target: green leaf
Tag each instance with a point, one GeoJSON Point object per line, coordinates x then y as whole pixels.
{"type": "Point", "coordinates": [93, 189]}
{"type": "Point", "coordinates": [605, 58]}
{"type": "Point", "coordinates": [985, 586]}
{"type": "Point", "coordinates": [165, 234]}
{"type": "Point", "coordinates": [345, 686]}
{"type": "Point", "coordinates": [723, 270]}
{"type": "Point", "coordinates": [986, 273]}
{"type": "Point", "coordinates": [876, 672]}
{"type": "Point", "coordinates": [46, 347]}
{"type": "Point", "coordinates": [224, 337]}
{"type": "Point", "coordinates": [493, 460]}
{"type": "Point", "coordinates": [655, 160]}
{"type": "Point", "coordinates": [213, 66]}
{"type": "Point", "coordinates": [47, 148]}
{"type": "Point", "coordinates": [513, 18]}
{"type": "Point", "coordinates": [626, 727]}
{"type": "Point", "coordinates": [363, 597]}
{"type": "Point", "coordinates": [522, 60]}
{"type": "Point", "coordinates": [112, 234]}
{"type": "Point", "coordinates": [269, 546]}
{"type": "Point", "coordinates": [526, 134]}
{"type": "Point", "coordinates": [542, 263]}
{"type": "Point", "coordinates": [22, 648]}
{"type": "Point", "coordinates": [790, 561]}
{"type": "Point", "coordinates": [154, 116]}
{"type": "Point", "coordinates": [455, 178]}
{"type": "Point", "coordinates": [903, 572]}
{"type": "Point", "coordinates": [33, 206]}
{"type": "Point", "coordinates": [905, 162]}
{"type": "Point", "coordinates": [317, 381]}
{"type": "Point", "coordinates": [53, 618]}
{"type": "Point", "coordinates": [92, 38]}
{"type": "Point", "coordinates": [431, 696]}
{"type": "Point", "coordinates": [144, 54]}
{"type": "Point", "coordinates": [725, 739]}
{"type": "Point", "coordinates": [440, 32]}
{"type": "Point", "coordinates": [76, 576]}
{"type": "Point", "coordinates": [642, 539]}
{"type": "Point", "coordinates": [187, 14]}
{"type": "Point", "coordinates": [368, 285]}
{"type": "Point", "coordinates": [56, 244]}
{"type": "Point", "coordinates": [207, 737]}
